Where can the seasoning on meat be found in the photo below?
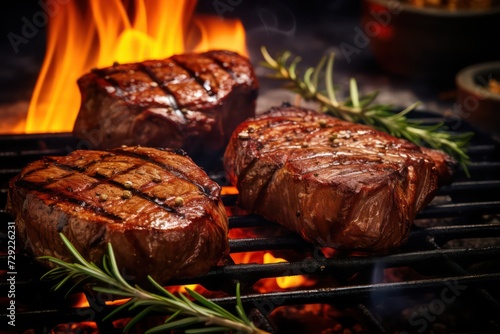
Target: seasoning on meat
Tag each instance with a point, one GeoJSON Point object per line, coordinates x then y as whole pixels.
{"type": "Point", "coordinates": [336, 183]}
{"type": "Point", "coordinates": [111, 201]}
{"type": "Point", "coordinates": [189, 101]}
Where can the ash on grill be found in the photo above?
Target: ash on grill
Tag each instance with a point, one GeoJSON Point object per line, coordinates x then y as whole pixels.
{"type": "Point", "coordinates": [446, 278]}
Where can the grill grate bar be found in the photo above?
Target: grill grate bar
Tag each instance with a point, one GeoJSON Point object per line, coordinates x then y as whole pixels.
{"type": "Point", "coordinates": [454, 232]}
{"type": "Point", "coordinates": [320, 265]}
{"type": "Point", "coordinates": [481, 149]}
{"type": "Point", "coordinates": [49, 317]}
{"type": "Point", "coordinates": [351, 294]}
{"type": "Point", "coordinates": [294, 241]}
{"type": "Point", "coordinates": [458, 209]}
{"type": "Point", "coordinates": [274, 243]}
{"type": "Point", "coordinates": [431, 212]}
{"type": "Point", "coordinates": [343, 265]}
{"type": "Point", "coordinates": [463, 203]}
{"type": "Point", "coordinates": [374, 323]}
{"type": "Point", "coordinates": [457, 269]}
{"type": "Point", "coordinates": [339, 296]}
{"type": "Point", "coordinates": [475, 167]}
{"type": "Point", "coordinates": [470, 185]}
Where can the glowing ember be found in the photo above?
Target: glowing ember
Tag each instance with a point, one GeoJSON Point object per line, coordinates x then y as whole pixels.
{"type": "Point", "coordinates": [80, 300]}
{"type": "Point", "coordinates": [94, 33]}
{"type": "Point", "coordinates": [86, 327]}
{"type": "Point", "coordinates": [285, 282]}
{"type": "Point", "coordinates": [271, 284]}
{"type": "Point", "coordinates": [227, 190]}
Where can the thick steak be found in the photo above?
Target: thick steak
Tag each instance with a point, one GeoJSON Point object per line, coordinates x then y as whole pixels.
{"type": "Point", "coordinates": [159, 210]}
{"type": "Point", "coordinates": [336, 183]}
{"type": "Point", "coordinates": [189, 101]}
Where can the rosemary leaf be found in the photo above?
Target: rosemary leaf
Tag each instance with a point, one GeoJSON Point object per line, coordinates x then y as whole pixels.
{"type": "Point", "coordinates": [211, 305]}
{"type": "Point", "coordinates": [76, 284]}
{"type": "Point", "coordinates": [173, 316]}
{"type": "Point", "coordinates": [317, 71]}
{"type": "Point", "coordinates": [181, 311]}
{"type": "Point", "coordinates": [354, 93]}
{"type": "Point", "coordinates": [162, 289]}
{"type": "Point", "coordinates": [117, 310]}
{"type": "Point", "coordinates": [329, 81]}
{"type": "Point", "coordinates": [239, 306]}
{"type": "Point", "coordinates": [114, 292]}
{"type": "Point", "coordinates": [105, 264]}
{"type": "Point", "coordinates": [62, 282]}
{"type": "Point", "coordinates": [307, 79]}
{"type": "Point", "coordinates": [293, 66]}
{"type": "Point", "coordinates": [73, 251]}
{"type": "Point", "coordinates": [114, 268]}
{"type": "Point", "coordinates": [138, 317]}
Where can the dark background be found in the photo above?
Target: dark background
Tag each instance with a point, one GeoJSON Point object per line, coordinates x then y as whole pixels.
{"type": "Point", "coordinates": [310, 29]}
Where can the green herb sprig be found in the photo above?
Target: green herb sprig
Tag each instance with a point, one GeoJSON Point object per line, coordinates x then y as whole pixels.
{"type": "Point", "coordinates": [362, 109]}
{"type": "Point", "coordinates": [181, 310]}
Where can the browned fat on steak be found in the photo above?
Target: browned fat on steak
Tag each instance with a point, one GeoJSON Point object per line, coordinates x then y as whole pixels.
{"type": "Point", "coordinates": [159, 210]}
{"type": "Point", "coordinates": [191, 101]}
{"type": "Point", "coordinates": [336, 183]}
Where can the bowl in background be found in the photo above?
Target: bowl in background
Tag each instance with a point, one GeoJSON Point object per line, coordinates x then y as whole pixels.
{"type": "Point", "coordinates": [478, 98]}
{"type": "Point", "coordinates": [430, 42]}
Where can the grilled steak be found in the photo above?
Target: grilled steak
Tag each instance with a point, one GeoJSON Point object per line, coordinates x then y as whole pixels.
{"type": "Point", "coordinates": [336, 183]}
{"type": "Point", "coordinates": [188, 101]}
{"type": "Point", "coordinates": [159, 210]}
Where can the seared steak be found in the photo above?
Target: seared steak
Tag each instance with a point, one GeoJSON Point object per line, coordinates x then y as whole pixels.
{"type": "Point", "coordinates": [189, 101]}
{"type": "Point", "coordinates": [336, 183]}
{"type": "Point", "coordinates": [159, 210]}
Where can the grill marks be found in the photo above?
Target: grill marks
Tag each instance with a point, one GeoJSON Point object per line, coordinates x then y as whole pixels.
{"type": "Point", "coordinates": [169, 94]}
{"type": "Point", "coordinates": [337, 184]}
{"type": "Point", "coordinates": [177, 172]}
{"type": "Point", "coordinates": [327, 152]}
{"type": "Point", "coordinates": [223, 65]}
{"type": "Point", "coordinates": [105, 76]}
{"type": "Point", "coordinates": [313, 146]}
{"type": "Point", "coordinates": [93, 174]}
{"type": "Point", "coordinates": [205, 84]}
{"type": "Point", "coordinates": [136, 71]}
{"type": "Point", "coordinates": [198, 70]}
{"type": "Point", "coordinates": [61, 197]}
{"type": "Point", "coordinates": [192, 101]}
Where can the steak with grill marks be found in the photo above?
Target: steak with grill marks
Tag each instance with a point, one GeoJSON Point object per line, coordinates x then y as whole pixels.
{"type": "Point", "coordinates": [336, 183]}
{"type": "Point", "coordinates": [160, 211]}
{"type": "Point", "coordinates": [191, 101]}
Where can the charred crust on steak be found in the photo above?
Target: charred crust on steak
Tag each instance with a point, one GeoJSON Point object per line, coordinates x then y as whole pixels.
{"type": "Point", "coordinates": [205, 84]}
{"type": "Point", "coordinates": [174, 228]}
{"type": "Point", "coordinates": [53, 196]}
{"type": "Point", "coordinates": [190, 101]}
{"type": "Point", "coordinates": [212, 192]}
{"type": "Point", "coordinates": [355, 187]}
{"type": "Point", "coordinates": [158, 83]}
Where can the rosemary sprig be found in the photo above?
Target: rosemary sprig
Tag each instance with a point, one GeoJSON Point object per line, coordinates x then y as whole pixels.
{"type": "Point", "coordinates": [181, 310]}
{"type": "Point", "coordinates": [361, 109]}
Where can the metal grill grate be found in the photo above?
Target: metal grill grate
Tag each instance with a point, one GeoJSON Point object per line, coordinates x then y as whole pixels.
{"type": "Point", "coordinates": [454, 247]}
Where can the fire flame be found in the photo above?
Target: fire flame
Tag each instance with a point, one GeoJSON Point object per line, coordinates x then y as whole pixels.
{"type": "Point", "coordinates": [265, 257]}
{"type": "Point", "coordinates": [95, 34]}
{"type": "Point", "coordinates": [286, 282]}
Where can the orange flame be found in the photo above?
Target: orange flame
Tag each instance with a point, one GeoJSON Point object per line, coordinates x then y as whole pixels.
{"type": "Point", "coordinates": [284, 282]}
{"type": "Point", "coordinates": [95, 33]}
{"type": "Point", "coordinates": [229, 190]}
{"type": "Point", "coordinates": [276, 283]}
